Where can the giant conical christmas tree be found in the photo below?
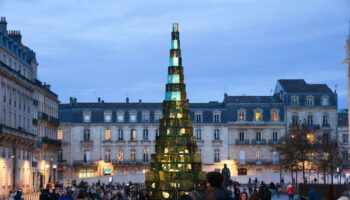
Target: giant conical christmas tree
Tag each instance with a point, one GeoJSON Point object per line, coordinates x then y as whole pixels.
{"type": "Point", "coordinates": [176, 165]}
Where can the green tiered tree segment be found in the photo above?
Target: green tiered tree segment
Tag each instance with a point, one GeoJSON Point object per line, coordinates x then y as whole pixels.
{"type": "Point", "coordinates": [176, 164]}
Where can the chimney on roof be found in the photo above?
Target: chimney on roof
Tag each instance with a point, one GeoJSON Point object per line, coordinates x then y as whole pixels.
{"type": "Point", "coordinates": [3, 25]}
{"type": "Point", "coordinates": [99, 100]}
{"type": "Point", "coordinates": [102, 101]}
{"type": "Point", "coordinates": [140, 100]}
{"type": "Point", "coordinates": [71, 100]}
{"type": "Point", "coordinates": [127, 99]}
{"type": "Point", "coordinates": [47, 86]}
{"type": "Point", "coordinates": [75, 100]}
{"type": "Point", "coordinates": [15, 35]}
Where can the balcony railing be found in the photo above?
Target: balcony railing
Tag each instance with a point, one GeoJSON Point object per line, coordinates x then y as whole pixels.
{"type": "Point", "coordinates": [313, 126]}
{"type": "Point", "coordinates": [274, 142]}
{"type": "Point", "coordinates": [129, 162]}
{"type": "Point", "coordinates": [43, 116]}
{"type": "Point", "coordinates": [109, 141]}
{"type": "Point", "coordinates": [35, 122]}
{"type": "Point", "coordinates": [86, 142]}
{"type": "Point", "coordinates": [262, 142]}
{"type": "Point", "coordinates": [242, 142]}
{"type": "Point", "coordinates": [257, 162]}
{"type": "Point", "coordinates": [50, 141]}
{"type": "Point", "coordinates": [84, 163]}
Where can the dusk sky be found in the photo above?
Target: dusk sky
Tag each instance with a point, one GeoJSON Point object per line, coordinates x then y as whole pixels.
{"type": "Point", "coordinates": [110, 49]}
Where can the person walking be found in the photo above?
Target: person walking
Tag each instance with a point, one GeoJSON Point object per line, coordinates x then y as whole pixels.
{"type": "Point", "coordinates": [290, 191]}
{"type": "Point", "coordinates": [227, 176]}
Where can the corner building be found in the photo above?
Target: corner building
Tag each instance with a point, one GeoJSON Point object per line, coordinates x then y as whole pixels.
{"type": "Point", "coordinates": [28, 118]}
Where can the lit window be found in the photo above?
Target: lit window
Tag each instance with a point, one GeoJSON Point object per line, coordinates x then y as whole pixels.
{"type": "Point", "coordinates": [107, 155]}
{"type": "Point", "coordinates": [258, 155]}
{"type": "Point", "coordinates": [133, 116]}
{"type": "Point", "coordinates": [241, 115]}
{"type": "Point", "coordinates": [274, 115]}
{"type": "Point", "coordinates": [107, 134]}
{"type": "Point", "coordinates": [108, 117]}
{"type": "Point", "coordinates": [133, 155]}
{"type": "Point", "coordinates": [258, 115]}
{"type": "Point", "coordinates": [59, 134]}
{"type": "Point", "coordinates": [120, 155]}
{"type": "Point", "coordinates": [133, 134]}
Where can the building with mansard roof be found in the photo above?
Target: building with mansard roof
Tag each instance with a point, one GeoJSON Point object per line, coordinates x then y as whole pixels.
{"type": "Point", "coordinates": [28, 118]}
{"type": "Point", "coordinates": [102, 138]}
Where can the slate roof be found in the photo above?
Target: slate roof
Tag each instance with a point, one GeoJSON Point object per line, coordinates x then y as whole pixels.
{"type": "Point", "coordinates": [300, 86]}
{"type": "Point", "coordinates": [252, 99]}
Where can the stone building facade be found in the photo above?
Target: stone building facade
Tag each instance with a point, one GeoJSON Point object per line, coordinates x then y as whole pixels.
{"type": "Point", "coordinates": [102, 138]}
{"type": "Point", "coordinates": [23, 114]}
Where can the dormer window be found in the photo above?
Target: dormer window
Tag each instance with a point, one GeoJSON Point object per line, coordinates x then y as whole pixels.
{"type": "Point", "coordinates": [133, 116]}
{"type": "Point", "coordinates": [324, 100]}
{"type": "Point", "coordinates": [120, 116]}
{"type": "Point", "coordinates": [310, 101]}
{"type": "Point", "coordinates": [241, 115]}
{"type": "Point", "coordinates": [145, 117]}
{"type": "Point", "coordinates": [157, 116]}
{"type": "Point", "coordinates": [87, 116]}
{"type": "Point", "coordinates": [108, 116]}
{"type": "Point", "coordinates": [294, 101]}
{"type": "Point", "coordinates": [274, 115]}
{"type": "Point", "coordinates": [198, 117]}
{"type": "Point", "coordinates": [216, 117]}
{"type": "Point", "coordinates": [258, 115]}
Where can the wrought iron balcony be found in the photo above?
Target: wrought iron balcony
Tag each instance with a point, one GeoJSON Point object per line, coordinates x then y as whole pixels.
{"type": "Point", "coordinates": [49, 141]}
{"type": "Point", "coordinates": [257, 162]}
{"type": "Point", "coordinates": [260, 142]}
{"type": "Point", "coordinates": [274, 142]}
{"type": "Point", "coordinates": [242, 142]}
{"type": "Point", "coordinates": [313, 126]}
{"type": "Point", "coordinates": [85, 163]}
{"type": "Point", "coordinates": [129, 162]}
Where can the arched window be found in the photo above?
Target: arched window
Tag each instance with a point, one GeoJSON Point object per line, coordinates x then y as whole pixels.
{"type": "Point", "coordinates": [294, 101]}
{"type": "Point", "coordinates": [258, 115]}
{"type": "Point", "coordinates": [241, 114]}
{"type": "Point", "coordinates": [274, 115]}
{"type": "Point", "coordinates": [309, 100]}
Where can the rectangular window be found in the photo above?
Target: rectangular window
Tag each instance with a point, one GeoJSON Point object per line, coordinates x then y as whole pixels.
{"type": "Point", "coordinates": [274, 116]}
{"type": "Point", "coordinates": [133, 155]}
{"type": "Point", "coordinates": [199, 134]}
{"type": "Point", "coordinates": [133, 134]}
{"type": "Point", "coordinates": [120, 134]}
{"type": "Point", "coordinates": [258, 116]}
{"type": "Point", "coordinates": [216, 134]}
{"type": "Point", "coordinates": [310, 120]}
{"type": "Point", "coordinates": [198, 117]}
{"type": "Point", "coordinates": [133, 117]}
{"type": "Point", "coordinates": [325, 120]}
{"type": "Point", "coordinates": [216, 118]}
{"type": "Point", "coordinates": [157, 132]}
{"type": "Point", "coordinates": [108, 117]}
{"type": "Point", "coordinates": [120, 117]}
{"type": "Point", "coordinates": [107, 134]}
{"type": "Point", "coordinates": [345, 138]}
{"type": "Point", "coordinates": [157, 117]}
{"type": "Point", "coordinates": [216, 155]}
{"type": "Point", "coordinates": [145, 117]}
{"type": "Point", "coordinates": [258, 155]}
{"type": "Point", "coordinates": [87, 117]}
{"type": "Point", "coordinates": [344, 155]}
{"type": "Point", "coordinates": [145, 134]}
{"type": "Point", "coordinates": [59, 134]}
{"type": "Point", "coordinates": [86, 134]}
{"type": "Point", "coordinates": [241, 116]}
{"type": "Point", "coordinates": [241, 136]}
{"type": "Point", "coordinates": [145, 155]}
{"type": "Point", "coordinates": [258, 136]}
{"type": "Point", "coordinates": [274, 136]}
{"type": "Point", "coordinates": [295, 120]}
{"type": "Point", "coordinates": [120, 155]}
{"type": "Point", "coordinates": [107, 155]}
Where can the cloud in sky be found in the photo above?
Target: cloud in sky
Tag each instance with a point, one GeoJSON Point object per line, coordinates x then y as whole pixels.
{"type": "Point", "coordinates": [90, 48]}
